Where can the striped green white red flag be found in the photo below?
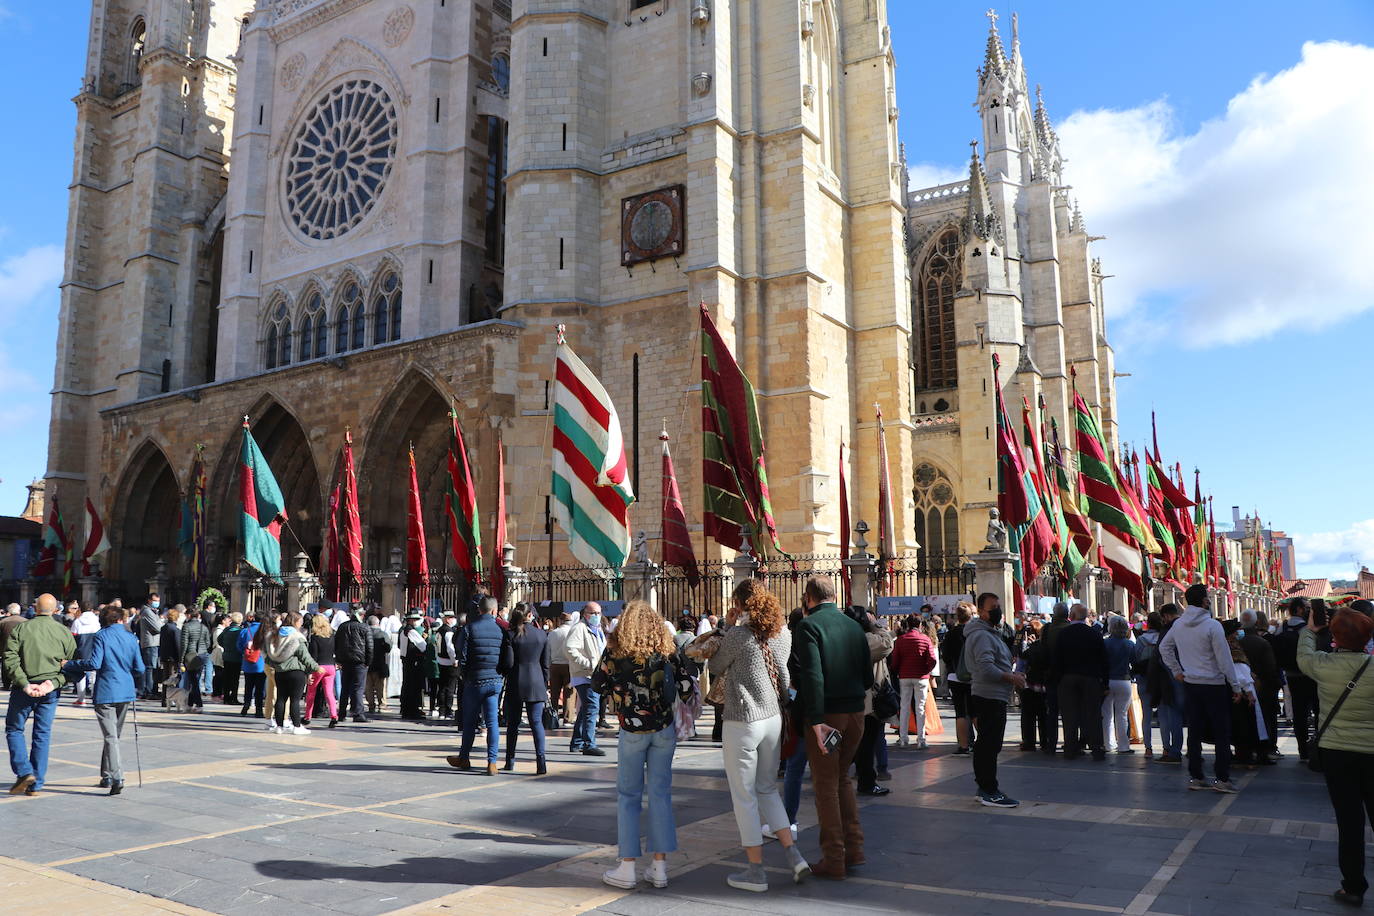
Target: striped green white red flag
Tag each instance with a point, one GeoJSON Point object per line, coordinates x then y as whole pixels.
{"type": "Point", "coordinates": [591, 481]}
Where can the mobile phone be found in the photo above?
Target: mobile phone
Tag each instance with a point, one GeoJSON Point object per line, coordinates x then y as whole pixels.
{"type": "Point", "coordinates": [832, 740]}
{"type": "Point", "coordinates": [1320, 616]}
{"type": "Point", "coordinates": [791, 694]}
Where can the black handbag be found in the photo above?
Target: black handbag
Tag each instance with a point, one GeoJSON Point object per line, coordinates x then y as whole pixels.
{"type": "Point", "coordinates": [1314, 756]}
{"type": "Point", "coordinates": [887, 702]}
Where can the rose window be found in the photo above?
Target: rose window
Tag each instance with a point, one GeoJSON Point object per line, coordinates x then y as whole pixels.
{"type": "Point", "coordinates": [340, 158]}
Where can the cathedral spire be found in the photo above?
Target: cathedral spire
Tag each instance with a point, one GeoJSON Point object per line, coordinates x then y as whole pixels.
{"type": "Point", "coordinates": [1043, 131]}
{"type": "Point", "coordinates": [980, 220]}
{"type": "Point", "coordinates": [995, 58]}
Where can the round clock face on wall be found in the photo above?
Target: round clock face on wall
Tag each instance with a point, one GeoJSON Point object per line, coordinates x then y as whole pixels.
{"type": "Point", "coordinates": [652, 225]}
{"type": "Point", "coordinates": [339, 159]}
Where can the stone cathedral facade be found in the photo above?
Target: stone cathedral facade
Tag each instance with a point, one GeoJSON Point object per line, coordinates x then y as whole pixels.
{"type": "Point", "coordinates": [358, 214]}
{"type": "Point", "coordinates": [999, 263]}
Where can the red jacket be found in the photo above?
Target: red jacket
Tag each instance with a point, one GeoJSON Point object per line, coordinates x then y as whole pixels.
{"type": "Point", "coordinates": [912, 656]}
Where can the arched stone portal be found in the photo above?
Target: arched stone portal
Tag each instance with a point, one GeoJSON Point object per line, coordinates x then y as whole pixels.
{"type": "Point", "coordinates": [149, 515]}
{"type": "Point", "coordinates": [288, 453]}
{"type": "Point", "coordinates": [415, 412]}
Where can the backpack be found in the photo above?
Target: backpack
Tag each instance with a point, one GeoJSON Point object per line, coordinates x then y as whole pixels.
{"type": "Point", "coordinates": [1145, 651]}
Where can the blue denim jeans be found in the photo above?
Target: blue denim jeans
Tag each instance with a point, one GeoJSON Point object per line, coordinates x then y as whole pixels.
{"type": "Point", "coordinates": [584, 729]}
{"type": "Point", "coordinates": [207, 675]}
{"type": "Point", "coordinates": [640, 752]}
{"type": "Point", "coordinates": [24, 761]}
{"type": "Point", "coordinates": [792, 782]}
{"type": "Point", "coordinates": [150, 669]}
{"type": "Point", "coordinates": [481, 698]}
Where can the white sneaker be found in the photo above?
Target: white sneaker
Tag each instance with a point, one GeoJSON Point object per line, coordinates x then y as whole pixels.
{"type": "Point", "coordinates": [298, 730]}
{"type": "Point", "coordinates": [622, 876]}
{"type": "Point", "coordinates": [922, 745]}
{"type": "Point", "coordinates": [272, 726]}
{"type": "Point", "coordinates": [768, 833]}
{"type": "Point", "coordinates": [657, 875]}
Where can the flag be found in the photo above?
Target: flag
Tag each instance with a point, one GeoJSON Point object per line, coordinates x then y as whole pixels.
{"type": "Point", "coordinates": [887, 536]}
{"type": "Point", "coordinates": [199, 489]}
{"type": "Point", "coordinates": [54, 544]}
{"type": "Point", "coordinates": [734, 475]}
{"type": "Point", "coordinates": [417, 558]}
{"type": "Point", "coordinates": [1213, 571]}
{"type": "Point", "coordinates": [96, 540]}
{"type": "Point", "coordinates": [460, 506]}
{"type": "Point", "coordinates": [1029, 535]}
{"type": "Point", "coordinates": [677, 540]}
{"type": "Point", "coordinates": [1071, 561]}
{"type": "Point", "coordinates": [591, 481]}
{"type": "Point", "coordinates": [1201, 533]}
{"type": "Point", "coordinates": [1080, 529]}
{"type": "Point", "coordinates": [333, 575]}
{"type": "Point", "coordinates": [844, 533]}
{"type": "Point", "coordinates": [1104, 499]}
{"type": "Point", "coordinates": [498, 562]}
{"type": "Point", "coordinates": [262, 509]}
{"type": "Point", "coordinates": [1187, 548]}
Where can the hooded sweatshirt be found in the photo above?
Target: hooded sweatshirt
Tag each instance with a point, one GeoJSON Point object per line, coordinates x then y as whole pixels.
{"type": "Point", "coordinates": [1195, 647]}
{"type": "Point", "coordinates": [288, 652]}
{"type": "Point", "coordinates": [986, 657]}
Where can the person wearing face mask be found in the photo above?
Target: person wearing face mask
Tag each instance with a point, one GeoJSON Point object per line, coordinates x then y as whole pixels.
{"type": "Point", "coordinates": [987, 661]}
{"type": "Point", "coordinates": [148, 629]}
{"type": "Point", "coordinates": [586, 642]}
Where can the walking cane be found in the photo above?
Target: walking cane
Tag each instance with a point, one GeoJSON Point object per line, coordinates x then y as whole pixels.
{"type": "Point", "coordinates": [138, 755]}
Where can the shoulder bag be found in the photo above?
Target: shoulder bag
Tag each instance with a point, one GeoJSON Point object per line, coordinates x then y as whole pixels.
{"type": "Point", "coordinates": [787, 738]}
{"type": "Point", "coordinates": [1314, 757]}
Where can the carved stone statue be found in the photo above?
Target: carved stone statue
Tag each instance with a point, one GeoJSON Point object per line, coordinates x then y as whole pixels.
{"type": "Point", "coordinates": [997, 532]}
{"type": "Point", "coordinates": [642, 548]}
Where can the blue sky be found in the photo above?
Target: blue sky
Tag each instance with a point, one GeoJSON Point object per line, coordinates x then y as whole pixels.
{"type": "Point", "coordinates": [1226, 162]}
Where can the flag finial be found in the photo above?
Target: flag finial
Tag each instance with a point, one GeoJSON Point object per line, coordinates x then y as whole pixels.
{"type": "Point", "coordinates": [663, 436]}
{"type": "Point", "coordinates": [562, 332]}
{"type": "Point", "coordinates": [245, 421]}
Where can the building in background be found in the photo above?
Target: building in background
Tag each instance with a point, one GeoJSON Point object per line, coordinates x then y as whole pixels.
{"type": "Point", "coordinates": [1000, 263]}
{"type": "Point", "coordinates": [324, 214]}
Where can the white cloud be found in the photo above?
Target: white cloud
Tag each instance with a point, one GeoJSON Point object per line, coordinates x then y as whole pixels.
{"type": "Point", "coordinates": [928, 175]}
{"type": "Point", "coordinates": [1336, 554]}
{"type": "Point", "coordinates": [1257, 222]}
{"type": "Point", "coordinates": [27, 275]}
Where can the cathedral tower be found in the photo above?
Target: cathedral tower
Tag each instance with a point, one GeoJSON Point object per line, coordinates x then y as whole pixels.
{"type": "Point", "coordinates": [744, 155]}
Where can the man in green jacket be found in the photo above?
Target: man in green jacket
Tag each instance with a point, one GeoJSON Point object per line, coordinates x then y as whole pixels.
{"type": "Point", "coordinates": [833, 675]}
{"type": "Point", "coordinates": [34, 657]}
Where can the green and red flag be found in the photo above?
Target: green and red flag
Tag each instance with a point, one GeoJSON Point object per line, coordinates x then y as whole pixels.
{"type": "Point", "coordinates": [1070, 559]}
{"type": "Point", "coordinates": [1080, 529]}
{"type": "Point", "coordinates": [1202, 534]}
{"type": "Point", "coordinates": [1029, 533]}
{"type": "Point", "coordinates": [262, 508]}
{"type": "Point", "coordinates": [417, 555]}
{"type": "Point", "coordinates": [344, 537]}
{"type": "Point", "coordinates": [460, 506]}
{"type": "Point", "coordinates": [1104, 500]}
{"type": "Point", "coordinates": [677, 538]}
{"type": "Point", "coordinates": [734, 474]}
{"type": "Point", "coordinates": [844, 532]}
{"type": "Point", "coordinates": [591, 480]}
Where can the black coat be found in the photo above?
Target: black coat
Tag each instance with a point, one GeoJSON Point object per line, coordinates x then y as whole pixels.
{"type": "Point", "coordinates": [529, 678]}
{"type": "Point", "coordinates": [353, 643]}
{"type": "Point", "coordinates": [1079, 649]}
{"type": "Point", "coordinates": [1262, 664]}
{"type": "Point", "coordinates": [169, 644]}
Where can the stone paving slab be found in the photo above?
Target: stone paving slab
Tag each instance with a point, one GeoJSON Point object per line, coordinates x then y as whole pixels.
{"type": "Point", "coordinates": [369, 819]}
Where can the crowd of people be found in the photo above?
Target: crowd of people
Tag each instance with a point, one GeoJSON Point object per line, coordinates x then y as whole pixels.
{"type": "Point", "coordinates": [820, 689]}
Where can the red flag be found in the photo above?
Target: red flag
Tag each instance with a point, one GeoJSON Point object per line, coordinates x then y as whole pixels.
{"type": "Point", "coordinates": [844, 532]}
{"type": "Point", "coordinates": [460, 506]}
{"type": "Point", "coordinates": [96, 541]}
{"type": "Point", "coordinates": [498, 565]}
{"type": "Point", "coordinates": [351, 527]}
{"type": "Point", "coordinates": [1213, 575]}
{"type": "Point", "coordinates": [887, 536]}
{"type": "Point", "coordinates": [54, 544]}
{"type": "Point", "coordinates": [332, 576]}
{"type": "Point", "coordinates": [417, 558]}
{"type": "Point", "coordinates": [677, 540]}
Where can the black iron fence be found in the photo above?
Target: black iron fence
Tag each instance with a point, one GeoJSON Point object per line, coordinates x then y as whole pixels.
{"type": "Point", "coordinates": [574, 583]}
{"type": "Point", "coordinates": [363, 588]}
{"type": "Point", "coordinates": [451, 590]}
{"type": "Point", "coordinates": [927, 574]}
{"type": "Point", "coordinates": [710, 596]}
{"type": "Point", "coordinates": [1106, 595]}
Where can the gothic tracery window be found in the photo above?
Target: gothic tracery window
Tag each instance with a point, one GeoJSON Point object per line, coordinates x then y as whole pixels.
{"type": "Point", "coordinates": [386, 309]}
{"type": "Point", "coordinates": [314, 329]}
{"type": "Point", "coordinates": [138, 39]}
{"type": "Point", "coordinates": [940, 276]}
{"type": "Point", "coordinates": [277, 346]}
{"type": "Point", "coordinates": [937, 515]}
{"type": "Point", "coordinates": [350, 320]}
{"type": "Point", "coordinates": [340, 158]}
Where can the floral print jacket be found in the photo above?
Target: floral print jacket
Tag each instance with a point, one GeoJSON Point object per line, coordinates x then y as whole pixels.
{"type": "Point", "coordinates": [644, 691]}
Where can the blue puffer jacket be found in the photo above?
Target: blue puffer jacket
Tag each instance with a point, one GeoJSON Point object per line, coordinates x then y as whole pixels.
{"type": "Point", "coordinates": [483, 648]}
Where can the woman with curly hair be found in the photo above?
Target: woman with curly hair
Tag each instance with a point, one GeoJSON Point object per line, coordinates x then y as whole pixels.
{"type": "Point", "coordinates": [753, 660]}
{"type": "Point", "coordinates": [641, 669]}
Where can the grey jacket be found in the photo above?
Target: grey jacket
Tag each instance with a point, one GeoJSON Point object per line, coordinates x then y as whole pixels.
{"type": "Point", "coordinates": [148, 628]}
{"type": "Point", "coordinates": [750, 694]}
{"type": "Point", "coordinates": [987, 658]}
